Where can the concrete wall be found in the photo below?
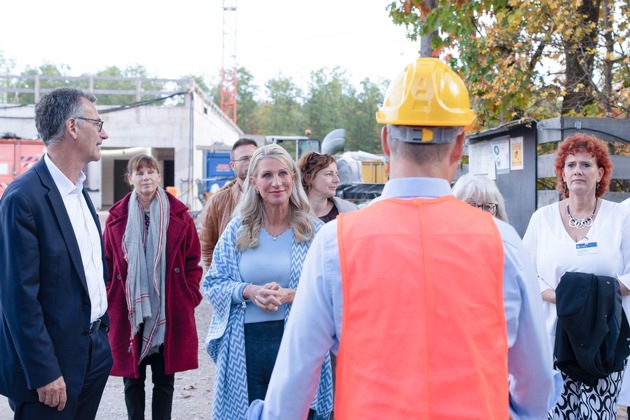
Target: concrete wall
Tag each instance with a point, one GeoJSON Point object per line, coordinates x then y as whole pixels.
{"type": "Point", "coordinates": [19, 120]}
{"type": "Point", "coordinates": [179, 133]}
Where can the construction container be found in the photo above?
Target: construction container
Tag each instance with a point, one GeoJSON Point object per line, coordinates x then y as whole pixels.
{"type": "Point", "coordinates": [374, 171]}
{"type": "Point", "coordinates": [173, 190]}
{"type": "Point", "coordinates": [16, 157]}
{"type": "Point", "coordinates": [218, 170]}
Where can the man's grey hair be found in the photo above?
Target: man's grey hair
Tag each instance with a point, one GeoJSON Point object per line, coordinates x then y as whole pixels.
{"type": "Point", "coordinates": [53, 110]}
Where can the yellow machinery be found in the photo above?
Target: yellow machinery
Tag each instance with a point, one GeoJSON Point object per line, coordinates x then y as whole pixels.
{"type": "Point", "coordinates": [374, 171]}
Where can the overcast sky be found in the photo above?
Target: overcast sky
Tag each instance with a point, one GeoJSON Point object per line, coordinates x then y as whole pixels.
{"type": "Point", "coordinates": [173, 39]}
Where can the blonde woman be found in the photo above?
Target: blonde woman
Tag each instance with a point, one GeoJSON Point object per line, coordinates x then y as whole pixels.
{"type": "Point", "coordinates": [252, 281]}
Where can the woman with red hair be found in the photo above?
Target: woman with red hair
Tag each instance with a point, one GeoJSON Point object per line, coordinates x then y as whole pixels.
{"type": "Point", "coordinates": [320, 179]}
{"type": "Point", "coordinates": [582, 233]}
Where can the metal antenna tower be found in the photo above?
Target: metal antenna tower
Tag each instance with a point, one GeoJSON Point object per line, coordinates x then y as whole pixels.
{"type": "Point", "coordinates": [228, 69]}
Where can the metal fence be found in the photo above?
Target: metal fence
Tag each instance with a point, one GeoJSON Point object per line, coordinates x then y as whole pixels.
{"type": "Point", "coordinates": [19, 89]}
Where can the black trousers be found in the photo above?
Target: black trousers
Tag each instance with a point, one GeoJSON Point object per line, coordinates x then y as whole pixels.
{"type": "Point", "coordinates": [163, 386]}
{"type": "Point", "coordinates": [86, 405]}
{"type": "Point", "coordinates": [262, 342]}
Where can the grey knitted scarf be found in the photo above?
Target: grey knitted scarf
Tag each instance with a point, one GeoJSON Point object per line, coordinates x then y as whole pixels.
{"type": "Point", "coordinates": [145, 252]}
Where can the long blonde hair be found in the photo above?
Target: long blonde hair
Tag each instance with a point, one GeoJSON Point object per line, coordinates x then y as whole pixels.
{"type": "Point", "coordinates": [251, 210]}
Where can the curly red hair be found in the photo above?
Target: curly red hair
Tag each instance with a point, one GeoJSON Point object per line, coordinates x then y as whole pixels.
{"type": "Point", "coordinates": [582, 142]}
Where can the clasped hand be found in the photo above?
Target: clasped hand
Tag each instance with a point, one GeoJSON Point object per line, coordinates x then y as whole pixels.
{"type": "Point", "coordinates": [269, 297]}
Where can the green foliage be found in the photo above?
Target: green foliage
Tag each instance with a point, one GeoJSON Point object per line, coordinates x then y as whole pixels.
{"type": "Point", "coordinates": [363, 132]}
{"type": "Point", "coordinates": [285, 116]}
{"type": "Point", "coordinates": [546, 148]}
{"type": "Point", "coordinates": [330, 101]}
{"type": "Point", "coordinates": [246, 107]}
{"type": "Point", "coordinates": [530, 58]}
{"type": "Point", "coordinates": [543, 184]}
{"type": "Point", "coordinates": [113, 85]}
{"type": "Point", "coordinates": [130, 80]}
{"type": "Point", "coordinates": [58, 78]}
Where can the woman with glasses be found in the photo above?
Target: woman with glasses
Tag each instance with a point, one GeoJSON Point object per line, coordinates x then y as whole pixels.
{"type": "Point", "coordinates": [582, 234]}
{"type": "Point", "coordinates": [252, 281]}
{"type": "Point", "coordinates": [152, 252]}
{"type": "Point", "coordinates": [481, 192]}
{"type": "Point", "coordinates": [320, 179]}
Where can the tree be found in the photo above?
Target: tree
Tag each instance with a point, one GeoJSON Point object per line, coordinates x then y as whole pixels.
{"type": "Point", "coordinates": [282, 114]}
{"type": "Point", "coordinates": [364, 133]}
{"type": "Point", "coordinates": [329, 102]}
{"type": "Point", "coordinates": [6, 67]}
{"type": "Point", "coordinates": [132, 75]}
{"type": "Point", "coordinates": [246, 104]}
{"type": "Point", "coordinates": [530, 58]}
{"type": "Point", "coordinates": [110, 80]}
{"type": "Point", "coordinates": [57, 77]}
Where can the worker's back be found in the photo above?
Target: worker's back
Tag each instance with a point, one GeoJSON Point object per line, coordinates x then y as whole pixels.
{"type": "Point", "coordinates": [423, 330]}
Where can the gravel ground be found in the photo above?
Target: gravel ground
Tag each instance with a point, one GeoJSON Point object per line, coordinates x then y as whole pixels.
{"type": "Point", "coordinates": [192, 399]}
{"type": "Point", "coordinates": [193, 389]}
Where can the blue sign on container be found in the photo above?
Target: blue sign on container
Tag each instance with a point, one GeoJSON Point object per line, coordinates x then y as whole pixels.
{"type": "Point", "coordinates": [218, 170]}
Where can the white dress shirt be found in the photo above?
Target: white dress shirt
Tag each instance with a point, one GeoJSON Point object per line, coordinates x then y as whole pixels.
{"type": "Point", "coordinates": [315, 323]}
{"type": "Point", "coordinates": [87, 236]}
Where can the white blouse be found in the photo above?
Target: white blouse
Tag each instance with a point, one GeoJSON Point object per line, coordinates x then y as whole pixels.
{"type": "Point", "coordinates": [605, 250]}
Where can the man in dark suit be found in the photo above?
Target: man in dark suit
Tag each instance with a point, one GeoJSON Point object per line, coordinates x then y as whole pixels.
{"type": "Point", "coordinates": [55, 356]}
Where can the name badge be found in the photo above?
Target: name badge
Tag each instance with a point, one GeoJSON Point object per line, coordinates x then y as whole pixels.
{"type": "Point", "coordinates": [586, 248]}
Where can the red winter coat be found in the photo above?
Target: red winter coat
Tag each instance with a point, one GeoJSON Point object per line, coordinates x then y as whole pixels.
{"type": "Point", "coordinates": [183, 274]}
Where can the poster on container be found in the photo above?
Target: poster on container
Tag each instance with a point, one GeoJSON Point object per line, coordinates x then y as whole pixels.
{"type": "Point", "coordinates": [479, 158]}
{"type": "Point", "coordinates": [500, 152]}
{"type": "Point", "coordinates": [490, 158]}
{"type": "Point", "coordinates": [516, 145]}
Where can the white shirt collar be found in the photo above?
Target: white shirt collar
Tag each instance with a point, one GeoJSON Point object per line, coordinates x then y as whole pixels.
{"type": "Point", "coordinates": [62, 182]}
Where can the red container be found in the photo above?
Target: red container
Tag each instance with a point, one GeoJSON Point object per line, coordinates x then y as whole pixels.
{"type": "Point", "coordinates": [16, 157]}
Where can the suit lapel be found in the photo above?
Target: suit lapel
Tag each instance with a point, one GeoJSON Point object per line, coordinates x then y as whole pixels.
{"type": "Point", "coordinates": [61, 215]}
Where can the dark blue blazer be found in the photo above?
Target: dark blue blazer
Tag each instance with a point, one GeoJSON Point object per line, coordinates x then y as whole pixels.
{"type": "Point", "coordinates": [44, 301]}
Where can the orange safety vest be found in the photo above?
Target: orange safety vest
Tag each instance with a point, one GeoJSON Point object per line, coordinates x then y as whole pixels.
{"type": "Point", "coordinates": [424, 334]}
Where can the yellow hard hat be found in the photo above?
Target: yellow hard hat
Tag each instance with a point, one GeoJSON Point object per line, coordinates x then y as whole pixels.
{"type": "Point", "coordinates": [427, 93]}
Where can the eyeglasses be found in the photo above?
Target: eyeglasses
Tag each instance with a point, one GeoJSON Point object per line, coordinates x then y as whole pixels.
{"type": "Point", "coordinates": [315, 158]}
{"type": "Point", "coordinates": [244, 159]}
{"type": "Point", "coordinates": [99, 123]}
{"type": "Point", "coordinates": [490, 208]}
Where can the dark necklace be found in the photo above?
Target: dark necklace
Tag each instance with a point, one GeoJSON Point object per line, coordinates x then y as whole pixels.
{"type": "Point", "coordinates": [582, 223]}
